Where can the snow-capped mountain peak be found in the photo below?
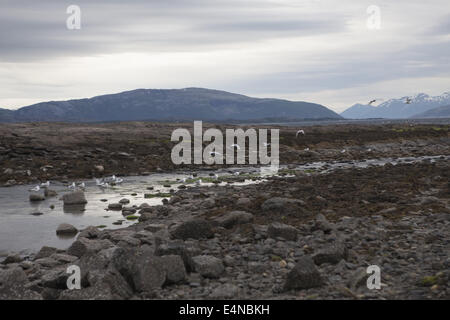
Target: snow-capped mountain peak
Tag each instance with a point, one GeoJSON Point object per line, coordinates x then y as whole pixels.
{"type": "Point", "coordinates": [398, 108]}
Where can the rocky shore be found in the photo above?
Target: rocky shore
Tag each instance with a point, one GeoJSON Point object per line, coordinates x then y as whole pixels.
{"type": "Point", "coordinates": [38, 152]}
{"type": "Point", "coordinates": [309, 236]}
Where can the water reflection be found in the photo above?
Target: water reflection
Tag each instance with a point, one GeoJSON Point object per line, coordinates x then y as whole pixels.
{"type": "Point", "coordinates": [77, 209]}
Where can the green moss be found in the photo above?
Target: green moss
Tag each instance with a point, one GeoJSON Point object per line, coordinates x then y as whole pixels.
{"type": "Point", "coordinates": [429, 281]}
{"type": "Point", "coordinates": [101, 226]}
{"type": "Point", "coordinates": [287, 171]}
{"type": "Point", "coordinates": [157, 195]}
{"type": "Point", "coordinates": [132, 217]}
{"type": "Point", "coordinates": [275, 258]}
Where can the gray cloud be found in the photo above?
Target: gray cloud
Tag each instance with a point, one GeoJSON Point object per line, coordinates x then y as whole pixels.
{"type": "Point", "coordinates": [323, 45]}
{"type": "Point", "coordinates": [39, 31]}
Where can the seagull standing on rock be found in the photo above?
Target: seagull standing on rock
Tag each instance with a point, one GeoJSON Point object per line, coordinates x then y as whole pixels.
{"type": "Point", "coordinates": [299, 132]}
{"type": "Point", "coordinates": [46, 184]}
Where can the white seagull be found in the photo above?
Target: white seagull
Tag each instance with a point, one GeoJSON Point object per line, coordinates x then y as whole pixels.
{"type": "Point", "coordinates": [104, 185]}
{"type": "Point", "coordinates": [214, 153]}
{"type": "Point", "coordinates": [36, 189]}
{"type": "Point", "coordinates": [298, 132]}
{"type": "Point", "coordinates": [46, 184]}
{"type": "Point", "coordinates": [236, 146]}
{"type": "Point", "coordinates": [236, 173]}
{"type": "Point", "coordinates": [72, 186]}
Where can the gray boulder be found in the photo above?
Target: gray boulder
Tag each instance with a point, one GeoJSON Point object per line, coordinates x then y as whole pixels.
{"type": "Point", "coordinates": [303, 276]}
{"type": "Point", "coordinates": [74, 198]}
{"type": "Point", "coordinates": [124, 201]}
{"type": "Point", "coordinates": [65, 229]}
{"type": "Point", "coordinates": [90, 232]}
{"type": "Point", "coordinates": [13, 285]}
{"type": "Point", "coordinates": [45, 252]}
{"type": "Point", "coordinates": [331, 254]}
{"type": "Point", "coordinates": [84, 246]}
{"type": "Point", "coordinates": [233, 218]}
{"type": "Point", "coordinates": [55, 279]}
{"type": "Point", "coordinates": [115, 206]}
{"type": "Point", "coordinates": [208, 266]}
{"type": "Point", "coordinates": [280, 230]}
{"type": "Point", "coordinates": [12, 258]}
{"type": "Point", "coordinates": [282, 205]}
{"type": "Point", "coordinates": [194, 229]}
{"type": "Point", "coordinates": [50, 193]}
{"type": "Point", "coordinates": [177, 248]}
{"type": "Point", "coordinates": [143, 271]}
{"type": "Point", "coordinates": [226, 291]}
{"type": "Point", "coordinates": [321, 223]}
{"type": "Point", "coordinates": [174, 267]}
{"type": "Point", "coordinates": [34, 197]}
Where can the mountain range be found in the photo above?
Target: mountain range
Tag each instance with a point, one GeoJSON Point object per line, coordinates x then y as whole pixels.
{"type": "Point", "coordinates": [439, 112]}
{"type": "Point", "coordinates": [169, 105]}
{"type": "Point", "coordinates": [401, 108]}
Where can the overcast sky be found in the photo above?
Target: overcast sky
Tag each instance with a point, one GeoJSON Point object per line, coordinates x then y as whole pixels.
{"type": "Point", "coordinates": [312, 50]}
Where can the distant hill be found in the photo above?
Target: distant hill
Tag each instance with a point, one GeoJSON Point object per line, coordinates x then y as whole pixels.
{"type": "Point", "coordinates": [358, 111]}
{"type": "Point", "coordinates": [168, 105]}
{"type": "Point", "coordinates": [440, 112]}
{"type": "Point", "coordinates": [397, 108]}
{"type": "Point", "coordinates": [6, 115]}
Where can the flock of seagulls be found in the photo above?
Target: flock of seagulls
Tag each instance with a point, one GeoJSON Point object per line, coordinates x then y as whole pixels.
{"type": "Point", "coordinates": [108, 182]}
{"type": "Point", "coordinates": [104, 183]}
{"type": "Point", "coordinates": [38, 187]}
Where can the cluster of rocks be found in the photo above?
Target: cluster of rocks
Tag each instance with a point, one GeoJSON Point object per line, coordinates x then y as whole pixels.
{"type": "Point", "coordinates": [274, 247]}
